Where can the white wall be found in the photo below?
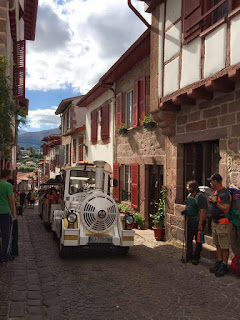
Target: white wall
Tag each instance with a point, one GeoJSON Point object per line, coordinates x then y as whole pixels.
{"type": "Point", "coordinates": [215, 51]}
{"type": "Point", "coordinates": [191, 62]}
{"type": "Point", "coordinates": [160, 49]}
{"type": "Point", "coordinates": [235, 40]}
{"type": "Point", "coordinates": [172, 41]}
{"type": "Point", "coordinates": [171, 80]}
{"type": "Point", "coordinates": [172, 45]}
{"type": "Point", "coordinates": [173, 11]}
{"type": "Point", "coordinates": [101, 151]}
{"type": "Point", "coordinates": [80, 114]}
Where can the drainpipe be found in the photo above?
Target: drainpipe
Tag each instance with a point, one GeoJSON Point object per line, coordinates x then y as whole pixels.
{"type": "Point", "coordinates": [137, 13]}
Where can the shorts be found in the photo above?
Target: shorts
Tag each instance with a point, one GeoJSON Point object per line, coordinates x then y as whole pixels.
{"type": "Point", "coordinates": [221, 234]}
{"type": "Point", "coordinates": [32, 201]}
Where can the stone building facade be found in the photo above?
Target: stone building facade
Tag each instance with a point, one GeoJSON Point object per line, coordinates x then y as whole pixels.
{"type": "Point", "coordinates": [140, 154]}
{"type": "Point", "coordinates": [194, 96]}
{"type": "Point", "coordinates": [17, 24]}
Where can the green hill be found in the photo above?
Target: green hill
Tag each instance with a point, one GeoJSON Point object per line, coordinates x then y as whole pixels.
{"type": "Point", "coordinates": [33, 139]}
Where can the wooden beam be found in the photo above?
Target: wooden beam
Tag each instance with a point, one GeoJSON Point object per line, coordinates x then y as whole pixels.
{"type": "Point", "coordinates": [169, 106]}
{"type": "Point", "coordinates": [183, 99]}
{"type": "Point", "coordinates": [234, 75]}
{"type": "Point", "coordinates": [220, 85]}
{"type": "Point", "coordinates": [200, 93]}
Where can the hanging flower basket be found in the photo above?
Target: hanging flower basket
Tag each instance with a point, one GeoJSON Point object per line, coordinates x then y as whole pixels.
{"type": "Point", "coordinates": [149, 125]}
{"type": "Point", "coordinates": [123, 131]}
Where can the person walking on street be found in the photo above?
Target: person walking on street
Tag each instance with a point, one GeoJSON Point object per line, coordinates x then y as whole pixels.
{"type": "Point", "coordinates": [7, 214]}
{"type": "Point", "coordinates": [22, 201]}
{"type": "Point", "coordinates": [28, 198]}
{"type": "Point", "coordinates": [32, 199]}
{"type": "Point", "coordinates": [221, 226]}
{"type": "Point", "coordinates": [195, 220]}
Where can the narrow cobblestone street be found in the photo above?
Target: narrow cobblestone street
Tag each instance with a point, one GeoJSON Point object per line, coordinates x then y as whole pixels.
{"type": "Point", "coordinates": [150, 283]}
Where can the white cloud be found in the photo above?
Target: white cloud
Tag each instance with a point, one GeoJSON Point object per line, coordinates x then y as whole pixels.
{"type": "Point", "coordinates": [40, 118]}
{"type": "Point", "coordinates": [77, 41]}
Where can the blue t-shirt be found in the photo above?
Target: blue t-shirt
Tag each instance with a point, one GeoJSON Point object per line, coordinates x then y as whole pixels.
{"type": "Point", "coordinates": [223, 198]}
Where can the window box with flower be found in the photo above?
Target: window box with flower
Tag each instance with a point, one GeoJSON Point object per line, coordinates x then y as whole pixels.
{"type": "Point", "coordinates": [122, 129]}
{"type": "Point", "coordinates": [148, 122]}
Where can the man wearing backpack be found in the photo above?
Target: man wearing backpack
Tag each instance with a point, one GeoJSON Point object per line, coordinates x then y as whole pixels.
{"type": "Point", "coordinates": [195, 216]}
{"type": "Point", "coordinates": [221, 227]}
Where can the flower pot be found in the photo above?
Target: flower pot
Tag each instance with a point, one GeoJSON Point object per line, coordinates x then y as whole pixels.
{"type": "Point", "coordinates": [122, 131]}
{"type": "Point", "coordinates": [150, 124]}
{"type": "Point", "coordinates": [134, 225]}
{"type": "Point", "coordinates": [159, 233]}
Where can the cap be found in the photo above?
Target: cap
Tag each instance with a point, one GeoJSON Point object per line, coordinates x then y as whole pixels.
{"type": "Point", "coordinates": [216, 177]}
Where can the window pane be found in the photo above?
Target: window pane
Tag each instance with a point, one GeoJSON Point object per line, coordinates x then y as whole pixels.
{"type": "Point", "coordinates": [126, 193]}
{"type": "Point", "coordinates": [129, 109]}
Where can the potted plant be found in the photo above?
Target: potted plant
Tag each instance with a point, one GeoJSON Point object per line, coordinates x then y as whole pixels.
{"type": "Point", "coordinates": [138, 221]}
{"type": "Point", "coordinates": [122, 129]}
{"type": "Point", "coordinates": [159, 217]}
{"type": "Point", "coordinates": [148, 122]}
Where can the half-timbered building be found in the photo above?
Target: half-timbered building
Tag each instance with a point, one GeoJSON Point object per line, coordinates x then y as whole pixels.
{"type": "Point", "coordinates": [195, 93]}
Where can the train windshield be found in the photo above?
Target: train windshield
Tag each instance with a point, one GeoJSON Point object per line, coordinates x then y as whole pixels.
{"type": "Point", "coordinates": [81, 181]}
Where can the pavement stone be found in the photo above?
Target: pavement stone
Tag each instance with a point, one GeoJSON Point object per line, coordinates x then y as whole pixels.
{"type": "Point", "coordinates": [150, 283]}
{"type": "Point", "coordinates": [17, 309]}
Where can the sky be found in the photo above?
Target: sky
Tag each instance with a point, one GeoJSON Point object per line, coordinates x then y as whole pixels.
{"type": "Point", "coordinates": [76, 42]}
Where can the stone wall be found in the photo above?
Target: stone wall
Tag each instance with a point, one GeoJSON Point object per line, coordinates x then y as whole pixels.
{"type": "Point", "coordinates": [140, 145]}
{"type": "Point", "coordinates": [216, 119]}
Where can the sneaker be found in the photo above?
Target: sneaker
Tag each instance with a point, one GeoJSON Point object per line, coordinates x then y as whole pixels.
{"type": "Point", "coordinates": [222, 270]}
{"type": "Point", "coordinates": [216, 266]}
{"type": "Point", "coordinates": [195, 261]}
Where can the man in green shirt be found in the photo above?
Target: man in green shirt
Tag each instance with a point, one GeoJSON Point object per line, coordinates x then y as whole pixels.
{"type": "Point", "coordinates": [195, 216]}
{"type": "Point", "coordinates": [7, 214]}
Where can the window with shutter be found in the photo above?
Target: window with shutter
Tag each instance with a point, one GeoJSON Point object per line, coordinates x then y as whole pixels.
{"type": "Point", "coordinates": [116, 173]}
{"type": "Point", "coordinates": [118, 110]}
{"type": "Point", "coordinates": [142, 98]}
{"type": "Point", "coordinates": [134, 185]}
{"type": "Point", "coordinates": [105, 122]}
{"type": "Point", "coordinates": [135, 104]}
{"type": "Point", "coordinates": [80, 150]}
{"type": "Point", "coordinates": [192, 12]}
{"type": "Point", "coordinates": [70, 153]}
{"type": "Point", "coordinates": [74, 151]}
{"type": "Point", "coordinates": [94, 116]}
{"type": "Point", "coordinates": [19, 54]}
{"type": "Point", "coordinates": [44, 149]}
{"type": "Point", "coordinates": [67, 154]}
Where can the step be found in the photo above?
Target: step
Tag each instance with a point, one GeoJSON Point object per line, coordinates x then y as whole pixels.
{"type": "Point", "coordinates": [208, 251]}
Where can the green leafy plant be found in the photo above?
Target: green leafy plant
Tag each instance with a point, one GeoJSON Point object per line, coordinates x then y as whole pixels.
{"type": "Point", "coordinates": [147, 119]}
{"type": "Point", "coordinates": [122, 127]}
{"type": "Point", "coordinates": [138, 218]}
{"type": "Point", "coordinates": [123, 208]}
{"type": "Point", "coordinates": [9, 111]}
{"type": "Point", "coordinates": [159, 216]}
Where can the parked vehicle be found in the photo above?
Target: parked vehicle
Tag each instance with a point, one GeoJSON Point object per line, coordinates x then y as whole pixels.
{"type": "Point", "coordinates": [90, 218]}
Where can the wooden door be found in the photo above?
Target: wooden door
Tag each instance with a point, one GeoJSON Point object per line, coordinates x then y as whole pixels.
{"type": "Point", "coordinates": [155, 186]}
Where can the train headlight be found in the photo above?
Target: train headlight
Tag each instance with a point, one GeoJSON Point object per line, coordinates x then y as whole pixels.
{"type": "Point", "coordinates": [129, 219]}
{"type": "Point", "coordinates": [72, 217]}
